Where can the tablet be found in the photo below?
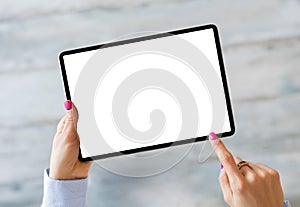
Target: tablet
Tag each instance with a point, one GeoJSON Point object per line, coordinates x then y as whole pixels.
{"type": "Point", "coordinates": [148, 93]}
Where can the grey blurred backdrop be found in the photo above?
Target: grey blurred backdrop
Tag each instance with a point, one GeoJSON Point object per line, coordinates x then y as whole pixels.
{"type": "Point", "coordinates": [261, 45]}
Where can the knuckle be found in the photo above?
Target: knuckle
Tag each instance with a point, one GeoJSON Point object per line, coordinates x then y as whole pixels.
{"type": "Point", "coordinates": [240, 186]}
{"type": "Point", "coordinates": [274, 173]}
{"type": "Point", "coordinates": [225, 157]}
{"type": "Point", "coordinates": [253, 178]}
{"type": "Point", "coordinates": [72, 144]}
{"type": "Point", "coordinates": [264, 175]}
{"type": "Point", "coordinates": [69, 119]}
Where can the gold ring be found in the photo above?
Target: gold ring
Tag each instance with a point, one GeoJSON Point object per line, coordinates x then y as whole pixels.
{"type": "Point", "coordinates": [242, 164]}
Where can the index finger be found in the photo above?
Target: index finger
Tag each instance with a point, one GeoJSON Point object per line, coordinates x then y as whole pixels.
{"type": "Point", "coordinates": [225, 157]}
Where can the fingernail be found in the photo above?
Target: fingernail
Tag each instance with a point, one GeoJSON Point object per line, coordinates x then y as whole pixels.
{"type": "Point", "coordinates": [222, 166]}
{"type": "Point", "coordinates": [213, 136]}
{"type": "Point", "coordinates": [68, 104]}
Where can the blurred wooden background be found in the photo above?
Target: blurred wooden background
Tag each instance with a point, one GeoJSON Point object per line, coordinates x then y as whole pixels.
{"type": "Point", "coordinates": [261, 45]}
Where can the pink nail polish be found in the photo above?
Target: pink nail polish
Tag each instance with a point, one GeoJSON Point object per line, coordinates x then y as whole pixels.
{"type": "Point", "coordinates": [213, 136]}
{"type": "Point", "coordinates": [68, 104]}
{"type": "Point", "coordinates": [222, 166]}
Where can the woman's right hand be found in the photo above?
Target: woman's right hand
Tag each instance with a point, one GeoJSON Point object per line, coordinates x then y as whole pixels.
{"type": "Point", "coordinates": [64, 163]}
{"type": "Point", "coordinates": [253, 185]}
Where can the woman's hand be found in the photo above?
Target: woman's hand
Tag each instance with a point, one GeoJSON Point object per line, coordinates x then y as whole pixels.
{"type": "Point", "coordinates": [253, 185]}
{"type": "Point", "coordinates": [64, 163]}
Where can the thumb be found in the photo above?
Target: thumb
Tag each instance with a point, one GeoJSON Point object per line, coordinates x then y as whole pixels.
{"type": "Point", "coordinates": [71, 113]}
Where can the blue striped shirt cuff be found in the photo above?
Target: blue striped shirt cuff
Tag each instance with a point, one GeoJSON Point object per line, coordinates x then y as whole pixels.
{"type": "Point", "coordinates": [64, 193]}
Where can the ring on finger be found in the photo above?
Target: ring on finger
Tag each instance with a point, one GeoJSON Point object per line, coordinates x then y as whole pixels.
{"type": "Point", "coordinates": [242, 164]}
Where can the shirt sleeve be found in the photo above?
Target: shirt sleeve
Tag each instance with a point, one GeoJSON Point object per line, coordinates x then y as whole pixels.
{"type": "Point", "coordinates": [64, 193]}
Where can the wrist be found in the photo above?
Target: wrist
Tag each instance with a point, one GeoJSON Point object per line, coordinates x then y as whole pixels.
{"type": "Point", "coordinates": [60, 175]}
{"type": "Point", "coordinates": [53, 174]}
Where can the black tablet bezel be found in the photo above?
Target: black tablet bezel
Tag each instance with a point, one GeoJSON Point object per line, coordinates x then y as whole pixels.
{"type": "Point", "coordinates": [150, 37]}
